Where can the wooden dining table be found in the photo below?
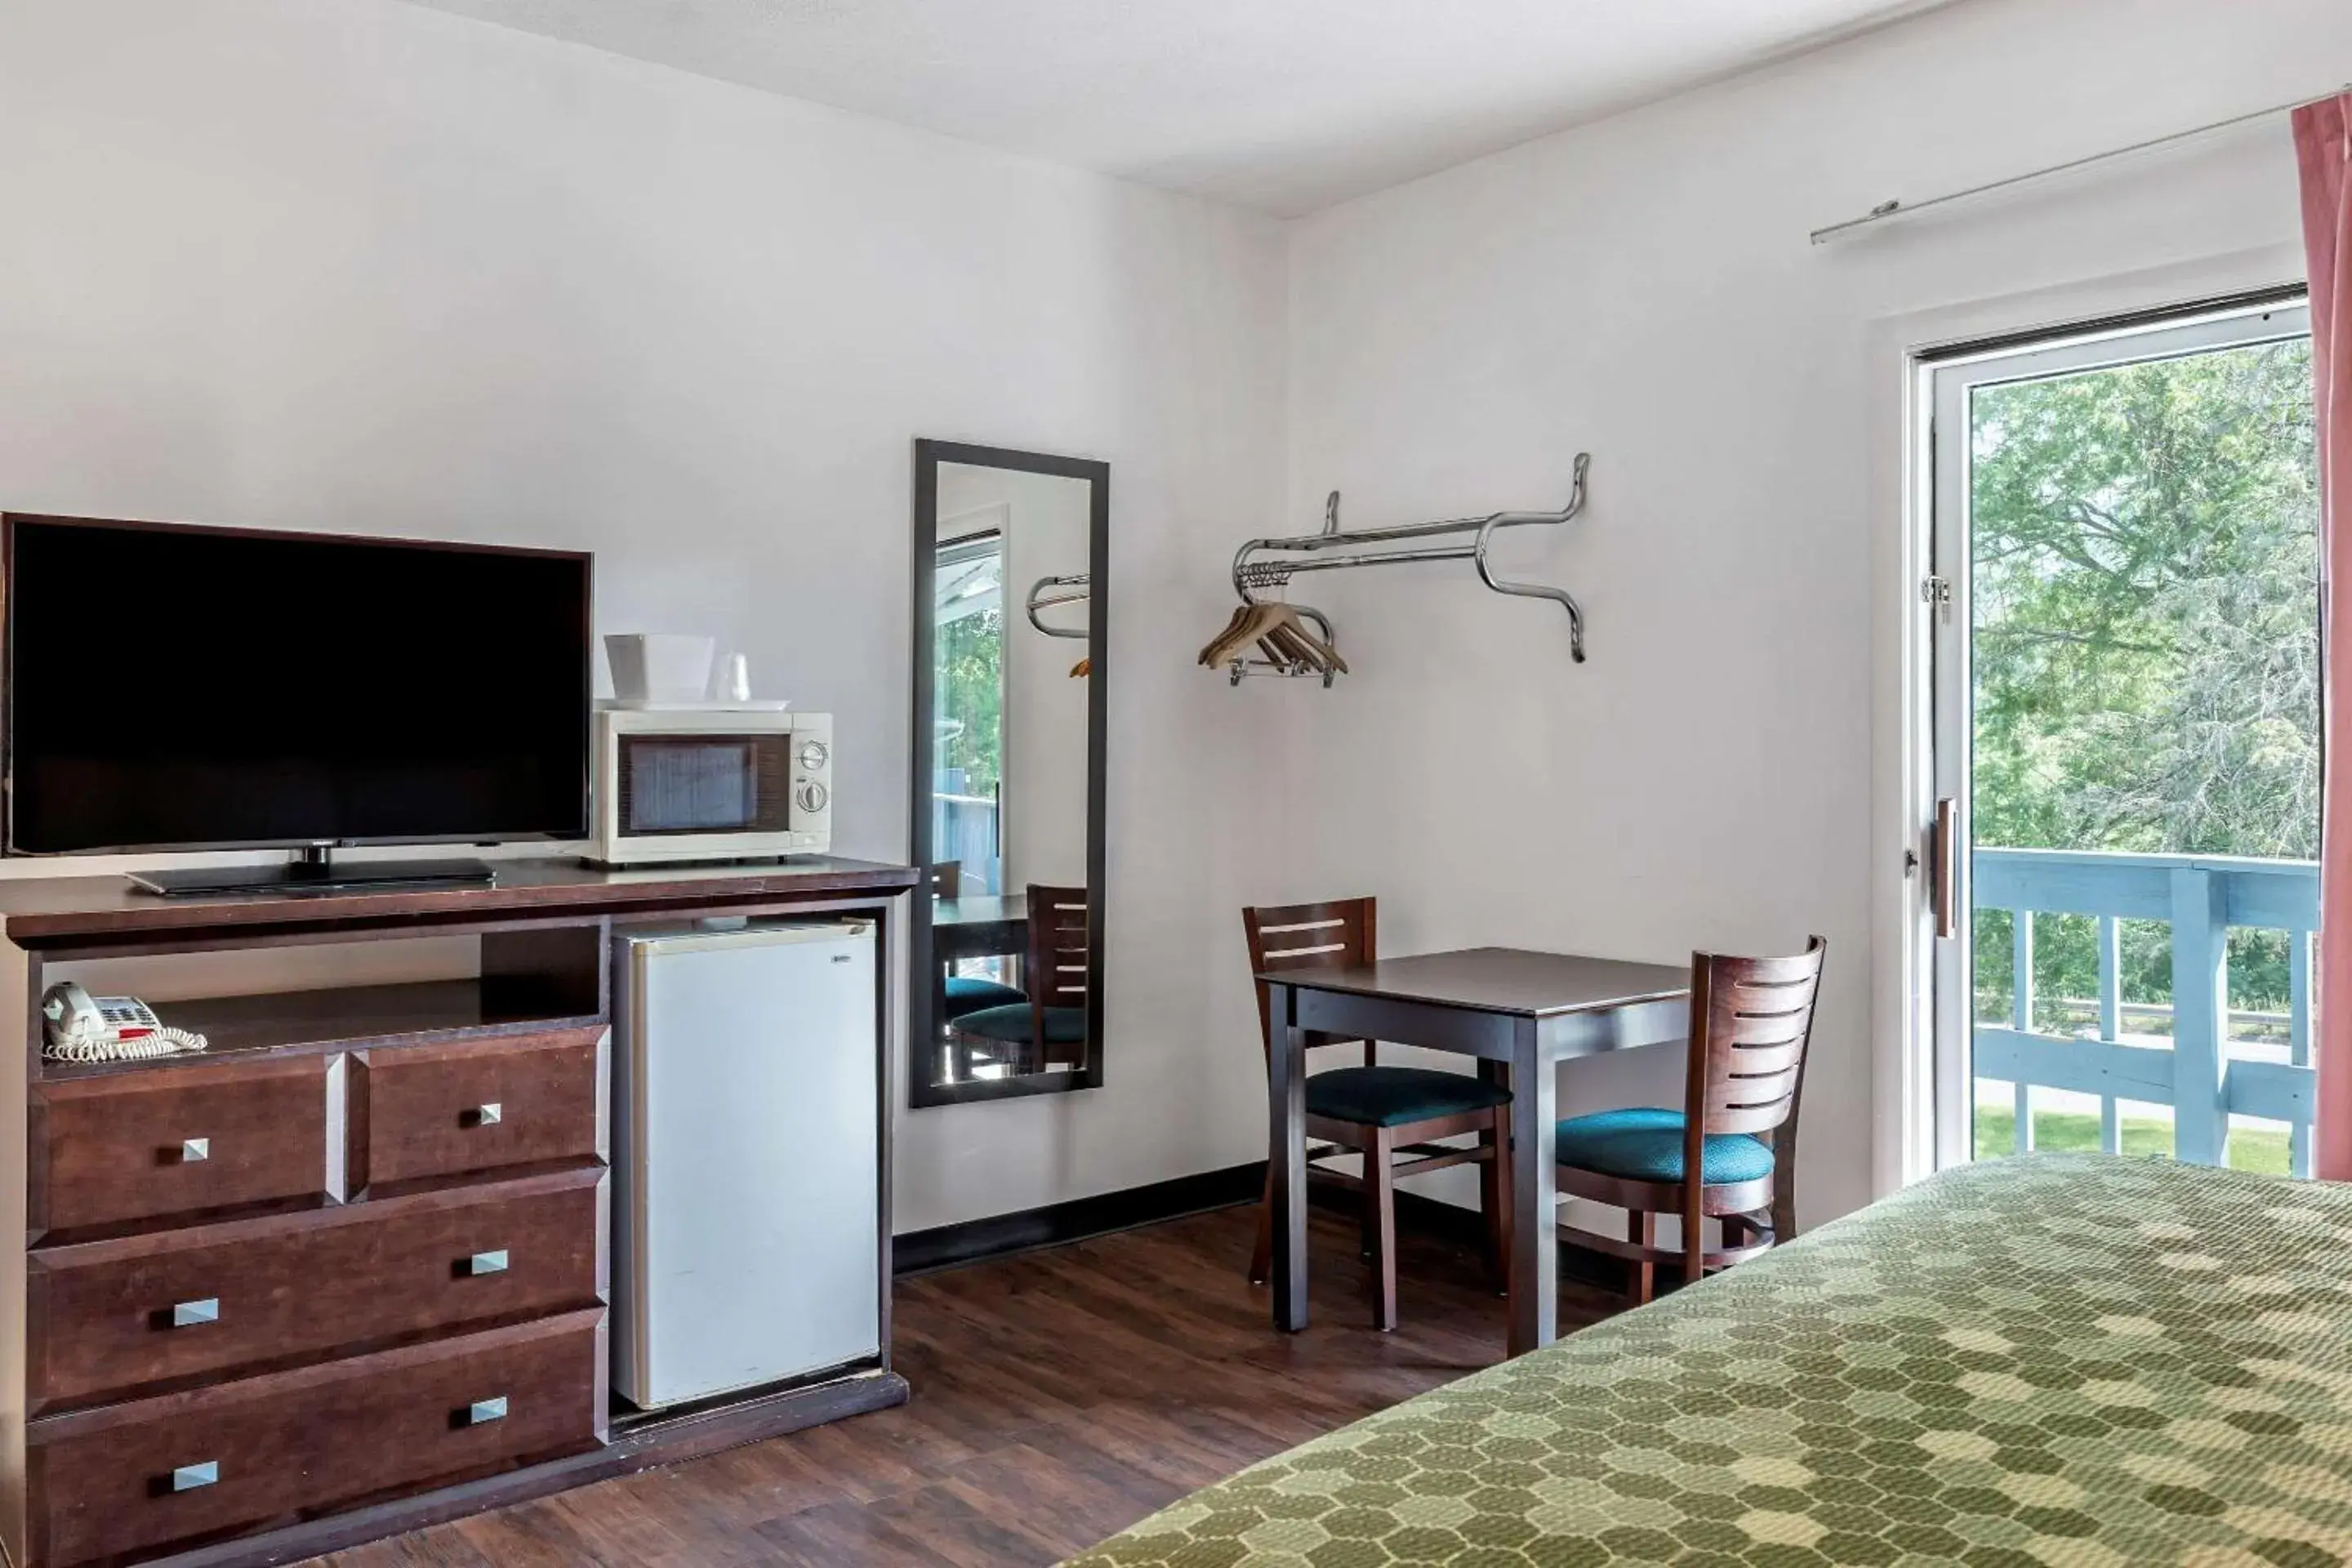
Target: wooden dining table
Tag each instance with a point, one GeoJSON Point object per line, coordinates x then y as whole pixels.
{"type": "Point", "coordinates": [982, 925]}
{"type": "Point", "coordinates": [1514, 1011]}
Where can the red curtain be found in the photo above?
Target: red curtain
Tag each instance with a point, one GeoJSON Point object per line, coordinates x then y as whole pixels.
{"type": "Point", "coordinates": [2322, 144]}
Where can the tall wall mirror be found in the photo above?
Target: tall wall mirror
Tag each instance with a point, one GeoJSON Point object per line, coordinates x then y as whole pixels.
{"type": "Point", "coordinates": [1009, 629]}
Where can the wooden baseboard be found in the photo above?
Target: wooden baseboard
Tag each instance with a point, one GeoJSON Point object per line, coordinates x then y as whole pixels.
{"type": "Point", "coordinates": [1055, 1225]}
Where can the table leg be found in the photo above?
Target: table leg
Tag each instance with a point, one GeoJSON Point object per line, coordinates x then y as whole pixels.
{"type": "Point", "coordinates": [1495, 1186]}
{"type": "Point", "coordinates": [1285, 1082]}
{"type": "Point", "coordinates": [1535, 1241]}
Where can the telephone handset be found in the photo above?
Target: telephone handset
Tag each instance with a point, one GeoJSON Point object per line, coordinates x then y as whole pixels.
{"type": "Point", "coordinates": [79, 1027]}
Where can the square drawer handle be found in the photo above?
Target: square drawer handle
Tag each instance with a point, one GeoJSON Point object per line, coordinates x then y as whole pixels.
{"type": "Point", "coordinates": [194, 1150]}
{"type": "Point", "coordinates": [485, 1263]}
{"type": "Point", "coordinates": [188, 1478]}
{"type": "Point", "coordinates": [482, 1411]}
{"type": "Point", "coordinates": [485, 1115]}
{"type": "Point", "coordinates": [190, 1314]}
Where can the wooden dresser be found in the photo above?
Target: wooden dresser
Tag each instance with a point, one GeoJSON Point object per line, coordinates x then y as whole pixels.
{"type": "Point", "coordinates": [345, 1273]}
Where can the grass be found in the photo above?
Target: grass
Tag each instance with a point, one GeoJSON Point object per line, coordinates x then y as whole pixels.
{"type": "Point", "coordinates": [2262, 1149]}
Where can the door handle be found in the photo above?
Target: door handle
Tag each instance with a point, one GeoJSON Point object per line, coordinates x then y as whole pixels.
{"type": "Point", "coordinates": [1945, 851]}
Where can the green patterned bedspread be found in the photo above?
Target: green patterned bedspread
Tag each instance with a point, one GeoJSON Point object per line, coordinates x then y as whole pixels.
{"type": "Point", "coordinates": [2073, 1361]}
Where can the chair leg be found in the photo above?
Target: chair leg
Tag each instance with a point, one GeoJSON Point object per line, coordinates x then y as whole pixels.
{"type": "Point", "coordinates": [1380, 1208]}
{"type": "Point", "coordinates": [1694, 1236]}
{"type": "Point", "coordinates": [1642, 1230]}
{"type": "Point", "coordinates": [1261, 1265]}
{"type": "Point", "coordinates": [1494, 1198]}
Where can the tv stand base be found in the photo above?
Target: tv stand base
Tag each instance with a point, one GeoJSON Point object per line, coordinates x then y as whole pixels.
{"type": "Point", "coordinates": [315, 872]}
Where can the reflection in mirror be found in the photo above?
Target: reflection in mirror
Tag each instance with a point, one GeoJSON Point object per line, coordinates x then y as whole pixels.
{"type": "Point", "coordinates": [1014, 992]}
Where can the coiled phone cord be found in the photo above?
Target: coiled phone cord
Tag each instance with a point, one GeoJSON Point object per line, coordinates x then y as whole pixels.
{"type": "Point", "coordinates": [164, 1041]}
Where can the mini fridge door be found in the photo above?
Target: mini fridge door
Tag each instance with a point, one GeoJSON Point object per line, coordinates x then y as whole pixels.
{"type": "Point", "coordinates": [747, 1174]}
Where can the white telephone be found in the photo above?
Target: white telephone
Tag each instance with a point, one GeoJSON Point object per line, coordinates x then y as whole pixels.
{"type": "Point", "coordinates": [79, 1027]}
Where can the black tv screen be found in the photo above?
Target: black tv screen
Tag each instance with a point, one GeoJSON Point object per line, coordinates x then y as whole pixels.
{"type": "Point", "coordinates": [175, 687]}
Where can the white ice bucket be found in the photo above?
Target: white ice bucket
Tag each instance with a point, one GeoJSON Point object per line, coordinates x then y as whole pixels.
{"type": "Point", "coordinates": [651, 667]}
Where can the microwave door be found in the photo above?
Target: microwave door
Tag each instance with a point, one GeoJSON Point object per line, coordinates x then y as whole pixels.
{"type": "Point", "coordinates": [687, 784]}
{"type": "Point", "coordinates": [678, 785]}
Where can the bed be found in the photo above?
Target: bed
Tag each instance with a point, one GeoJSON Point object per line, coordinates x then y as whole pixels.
{"type": "Point", "coordinates": [2053, 1362]}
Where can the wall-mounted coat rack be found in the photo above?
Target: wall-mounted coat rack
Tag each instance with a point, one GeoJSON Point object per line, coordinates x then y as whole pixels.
{"type": "Point", "coordinates": [1288, 659]}
{"type": "Point", "coordinates": [1047, 592]}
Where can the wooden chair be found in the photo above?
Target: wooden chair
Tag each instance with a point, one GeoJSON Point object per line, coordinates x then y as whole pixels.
{"type": "Point", "coordinates": [1381, 1112]}
{"type": "Point", "coordinates": [962, 993]}
{"type": "Point", "coordinates": [1050, 1024]}
{"type": "Point", "coordinates": [1751, 1019]}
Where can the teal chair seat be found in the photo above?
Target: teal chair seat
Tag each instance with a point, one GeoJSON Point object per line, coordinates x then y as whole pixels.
{"type": "Point", "coordinates": [1391, 1096]}
{"type": "Point", "coordinates": [1646, 1145]}
{"type": "Point", "coordinates": [971, 993]}
{"type": "Point", "coordinates": [1010, 1023]}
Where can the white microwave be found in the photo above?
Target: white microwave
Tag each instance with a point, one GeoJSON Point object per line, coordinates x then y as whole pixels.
{"type": "Point", "coordinates": [710, 784]}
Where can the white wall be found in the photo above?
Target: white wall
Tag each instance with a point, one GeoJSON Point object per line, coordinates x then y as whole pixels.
{"type": "Point", "coordinates": [369, 268]}
{"type": "Point", "coordinates": [365, 266]}
{"type": "Point", "coordinates": [1643, 288]}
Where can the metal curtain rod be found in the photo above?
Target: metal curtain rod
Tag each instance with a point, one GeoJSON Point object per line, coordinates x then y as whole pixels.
{"type": "Point", "coordinates": [1039, 599]}
{"type": "Point", "coordinates": [1250, 575]}
{"type": "Point", "coordinates": [1886, 210]}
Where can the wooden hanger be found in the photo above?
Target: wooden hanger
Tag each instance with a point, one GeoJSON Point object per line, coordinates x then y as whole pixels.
{"type": "Point", "coordinates": [1249, 623]}
{"type": "Point", "coordinates": [1279, 634]}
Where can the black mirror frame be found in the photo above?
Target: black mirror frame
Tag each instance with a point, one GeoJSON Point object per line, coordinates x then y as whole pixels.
{"type": "Point", "coordinates": [923, 994]}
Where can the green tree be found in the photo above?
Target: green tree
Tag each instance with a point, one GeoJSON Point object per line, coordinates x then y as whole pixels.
{"type": "Point", "coordinates": [970, 680]}
{"type": "Point", "coordinates": [2145, 558]}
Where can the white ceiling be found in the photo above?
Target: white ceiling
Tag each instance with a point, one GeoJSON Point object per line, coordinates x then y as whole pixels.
{"type": "Point", "coordinates": [1281, 105]}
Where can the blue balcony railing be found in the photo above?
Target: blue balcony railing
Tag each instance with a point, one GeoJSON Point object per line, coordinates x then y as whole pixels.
{"type": "Point", "coordinates": [2208, 1073]}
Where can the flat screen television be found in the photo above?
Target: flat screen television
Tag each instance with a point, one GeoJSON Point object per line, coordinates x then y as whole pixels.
{"type": "Point", "coordinates": [172, 688]}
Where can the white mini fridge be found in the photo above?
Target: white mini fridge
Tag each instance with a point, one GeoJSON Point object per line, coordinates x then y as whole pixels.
{"type": "Point", "coordinates": [747, 1158]}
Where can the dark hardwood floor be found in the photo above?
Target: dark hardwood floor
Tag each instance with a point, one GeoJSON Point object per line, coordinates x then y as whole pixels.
{"type": "Point", "coordinates": [1059, 1397]}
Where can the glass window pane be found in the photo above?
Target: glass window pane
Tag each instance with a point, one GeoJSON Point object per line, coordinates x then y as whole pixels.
{"type": "Point", "coordinates": [2143, 670]}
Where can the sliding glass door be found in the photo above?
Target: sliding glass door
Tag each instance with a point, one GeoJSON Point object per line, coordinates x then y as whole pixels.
{"type": "Point", "coordinates": [968, 712]}
{"type": "Point", "coordinates": [2124, 607]}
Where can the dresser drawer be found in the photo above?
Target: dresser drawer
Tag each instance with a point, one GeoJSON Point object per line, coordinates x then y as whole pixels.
{"type": "Point", "coordinates": [166, 1141]}
{"type": "Point", "coordinates": [128, 1479]}
{"type": "Point", "coordinates": [110, 1316]}
{"type": "Point", "coordinates": [446, 1111]}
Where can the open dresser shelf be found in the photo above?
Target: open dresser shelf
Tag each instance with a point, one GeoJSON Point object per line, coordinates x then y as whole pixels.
{"type": "Point", "coordinates": [293, 1022]}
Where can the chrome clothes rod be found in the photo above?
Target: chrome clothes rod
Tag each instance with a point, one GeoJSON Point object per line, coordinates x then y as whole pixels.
{"type": "Point", "coordinates": [1042, 597]}
{"type": "Point", "coordinates": [1250, 575]}
{"type": "Point", "coordinates": [1886, 210]}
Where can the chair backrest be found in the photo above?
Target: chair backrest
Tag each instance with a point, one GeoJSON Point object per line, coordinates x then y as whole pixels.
{"type": "Point", "coordinates": [1058, 947]}
{"type": "Point", "coordinates": [1339, 934]}
{"type": "Point", "coordinates": [1750, 1021]}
